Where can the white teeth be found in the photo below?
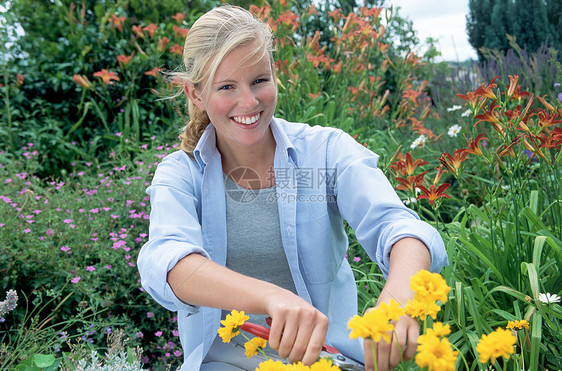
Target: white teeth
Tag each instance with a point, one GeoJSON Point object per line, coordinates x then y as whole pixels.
{"type": "Point", "coordinates": [247, 120]}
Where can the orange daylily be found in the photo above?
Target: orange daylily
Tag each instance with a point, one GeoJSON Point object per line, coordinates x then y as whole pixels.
{"type": "Point", "coordinates": [125, 59]}
{"type": "Point", "coordinates": [179, 31]}
{"type": "Point", "coordinates": [151, 28]}
{"type": "Point", "coordinates": [106, 76]}
{"type": "Point", "coordinates": [137, 30]}
{"type": "Point", "coordinates": [179, 17]}
{"type": "Point", "coordinates": [176, 48]}
{"type": "Point", "coordinates": [473, 147]}
{"type": "Point", "coordinates": [19, 79]}
{"type": "Point", "coordinates": [453, 162]}
{"type": "Point", "coordinates": [439, 174]}
{"type": "Point", "coordinates": [117, 21]}
{"type": "Point", "coordinates": [153, 72]}
{"type": "Point", "coordinates": [433, 194]}
{"type": "Point", "coordinates": [552, 140]}
{"type": "Point", "coordinates": [509, 147]}
{"type": "Point", "coordinates": [547, 119]}
{"type": "Point", "coordinates": [82, 81]}
{"type": "Point", "coordinates": [162, 43]}
{"type": "Point", "coordinates": [514, 90]}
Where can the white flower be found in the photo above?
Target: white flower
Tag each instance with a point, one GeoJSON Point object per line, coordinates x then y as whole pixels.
{"type": "Point", "coordinates": [549, 298]}
{"type": "Point", "coordinates": [419, 142]}
{"type": "Point", "coordinates": [409, 200]}
{"type": "Point", "coordinates": [454, 108]}
{"type": "Point", "coordinates": [466, 113]}
{"type": "Point", "coordinates": [454, 130]}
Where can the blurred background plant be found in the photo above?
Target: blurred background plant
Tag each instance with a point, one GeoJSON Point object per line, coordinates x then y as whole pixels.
{"type": "Point", "coordinates": [84, 128]}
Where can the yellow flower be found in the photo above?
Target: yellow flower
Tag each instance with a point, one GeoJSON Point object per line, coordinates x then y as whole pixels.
{"type": "Point", "coordinates": [374, 325]}
{"type": "Point", "coordinates": [422, 309]}
{"type": "Point", "coordinates": [497, 344]}
{"type": "Point", "coordinates": [439, 329]}
{"type": "Point", "coordinates": [429, 286]}
{"type": "Point", "coordinates": [271, 365]}
{"type": "Point", "coordinates": [253, 346]}
{"type": "Point", "coordinates": [324, 364]}
{"type": "Point", "coordinates": [435, 354]}
{"type": "Point", "coordinates": [232, 324]}
{"type": "Point", "coordinates": [393, 310]}
{"type": "Point", "coordinates": [518, 324]}
{"type": "Point", "coordinates": [296, 367]}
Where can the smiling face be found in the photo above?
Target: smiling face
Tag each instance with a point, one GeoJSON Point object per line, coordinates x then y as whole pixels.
{"type": "Point", "coordinates": [240, 100]}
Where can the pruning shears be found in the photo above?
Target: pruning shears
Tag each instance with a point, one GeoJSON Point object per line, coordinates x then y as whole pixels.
{"type": "Point", "coordinates": [338, 359]}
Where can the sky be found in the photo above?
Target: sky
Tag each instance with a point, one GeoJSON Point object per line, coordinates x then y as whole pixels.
{"type": "Point", "coordinates": [444, 20]}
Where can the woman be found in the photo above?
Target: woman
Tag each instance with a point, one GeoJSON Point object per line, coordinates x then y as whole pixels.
{"type": "Point", "coordinates": [249, 214]}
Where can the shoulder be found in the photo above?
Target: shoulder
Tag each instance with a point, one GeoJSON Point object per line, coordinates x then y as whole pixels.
{"type": "Point", "coordinates": [176, 166]}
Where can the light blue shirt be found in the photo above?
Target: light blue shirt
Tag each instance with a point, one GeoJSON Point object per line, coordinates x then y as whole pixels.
{"type": "Point", "coordinates": [323, 176]}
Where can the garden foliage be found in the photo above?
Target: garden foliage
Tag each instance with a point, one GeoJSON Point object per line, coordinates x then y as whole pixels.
{"type": "Point", "coordinates": [87, 120]}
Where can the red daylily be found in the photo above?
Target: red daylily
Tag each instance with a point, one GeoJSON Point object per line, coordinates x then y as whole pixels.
{"type": "Point", "coordinates": [407, 166]}
{"type": "Point", "coordinates": [453, 162]}
{"type": "Point", "coordinates": [473, 145]}
{"type": "Point", "coordinates": [486, 90]}
{"type": "Point", "coordinates": [433, 194]}
{"type": "Point", "coordinates": [492, 117]}
{"type": "Point", "coordinates": [514, 90]}
{"type": "Point", "coordinates": [410, 183]}
{"type": "Point", "coordinates": [547, 119]}
{"type": "Point", "coordinates": [439, 174]}
{"type": "Point", "coordinates": [106, 76]}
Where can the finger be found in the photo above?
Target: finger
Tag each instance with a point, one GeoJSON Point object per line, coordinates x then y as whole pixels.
{"type": "Point", "coordinates": [288, 338]}
{"type": "Point", "coordinates": [412, 341]}
{"type": "Point", "coordinates": [398, 345]}
{"type": "Point", "coordinates": [383, 355]}
{"type": "Point", "coordinates": [317, 340]}
{"type": "Point", "coordinates": [301, 341]}
{"type": "Point", "coordinates": [369, 363]}
{"type": "Point", "coordinates": [277, 326]}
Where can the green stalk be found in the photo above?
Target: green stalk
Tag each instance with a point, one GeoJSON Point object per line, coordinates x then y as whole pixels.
{"type": "Point", "coordinates": [8, 110]}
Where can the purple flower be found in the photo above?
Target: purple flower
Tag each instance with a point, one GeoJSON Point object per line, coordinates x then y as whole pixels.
{"type": "Point", "coordinates": [177, 353]}
{"type": "Point", "coordinates": [357, 259]}
{"type": "Point", "coordinates": [75, 279]}
{"type": "Point", "coordinates": [90, 268]}
{"type": "Point", "coordinates": [158, 333]}
{"type": "Point", "coordinates": [560, 97]}
{"type": "Point", "coordinates": [65, 248]}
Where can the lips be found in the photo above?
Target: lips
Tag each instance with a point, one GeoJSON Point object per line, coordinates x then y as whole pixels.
{"type": "Point", "coordinates": [247, 120]}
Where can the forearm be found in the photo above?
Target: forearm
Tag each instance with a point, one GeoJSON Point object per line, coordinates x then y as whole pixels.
{"type": "Point", "coordinates": [407, 257]}
{"type": "Point", "coordinates": [199, 281]}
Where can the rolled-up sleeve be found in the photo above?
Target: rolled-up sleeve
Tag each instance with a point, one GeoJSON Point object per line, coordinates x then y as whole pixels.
{"type": "Point", "coordinates": [175, 230]}
{"type": "Point", "coordinates": [372, 208]}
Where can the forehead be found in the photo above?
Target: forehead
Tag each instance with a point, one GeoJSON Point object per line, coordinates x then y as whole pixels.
{"type": "Point", "coordinates": [245, 59]}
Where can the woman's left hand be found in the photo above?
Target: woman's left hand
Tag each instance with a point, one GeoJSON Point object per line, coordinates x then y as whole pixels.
{"type": "Point", "coordinates": [407, 257]}
{"type": "Point", "coordinates": [402, 346]}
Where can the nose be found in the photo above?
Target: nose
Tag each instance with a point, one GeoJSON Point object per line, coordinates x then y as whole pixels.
{"type": "Point", "coordinates": [248, 98]}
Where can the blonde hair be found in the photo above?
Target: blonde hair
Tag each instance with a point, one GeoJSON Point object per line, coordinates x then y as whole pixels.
{"type": "Point", "coordinates": [208, 42]}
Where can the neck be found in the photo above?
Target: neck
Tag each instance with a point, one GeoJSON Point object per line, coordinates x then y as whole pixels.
{"type": "Point", "coordinates": [256, 157]}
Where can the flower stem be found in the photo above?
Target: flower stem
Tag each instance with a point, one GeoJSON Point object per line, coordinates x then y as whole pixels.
{"type": "Point", "coordinates": [375, 363]}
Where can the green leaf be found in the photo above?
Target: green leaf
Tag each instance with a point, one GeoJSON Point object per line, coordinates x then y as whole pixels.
{"type": "Point", "coordinates": [43, 360]}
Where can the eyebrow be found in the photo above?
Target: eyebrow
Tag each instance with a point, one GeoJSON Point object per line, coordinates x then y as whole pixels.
{"type": "Point", "coordinates": [230, 81]}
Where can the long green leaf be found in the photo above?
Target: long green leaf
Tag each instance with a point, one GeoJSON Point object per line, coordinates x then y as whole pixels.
{"type": "Point", "coordinates": [536, 337]}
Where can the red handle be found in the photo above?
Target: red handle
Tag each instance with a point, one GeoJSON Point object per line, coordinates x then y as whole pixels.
{"type": "Point", "coordinates": [263, 332]}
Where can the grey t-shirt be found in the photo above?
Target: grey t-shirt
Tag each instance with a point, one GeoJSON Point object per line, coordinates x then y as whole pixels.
{"type": "Point", "coordinates": [254, 245]}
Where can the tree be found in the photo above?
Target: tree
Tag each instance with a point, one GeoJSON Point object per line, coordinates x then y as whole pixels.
{"type": "Point", "coordinates": [532, 22]}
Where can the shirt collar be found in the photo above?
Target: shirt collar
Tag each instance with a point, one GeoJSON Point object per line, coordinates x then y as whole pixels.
{"type": "Point", "coordinates": [207, 145]}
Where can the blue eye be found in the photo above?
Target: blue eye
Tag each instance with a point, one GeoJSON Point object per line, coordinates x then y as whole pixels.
{"type": "Point", "coordinates": [260, 81]}
{"type": "Point", "coordinates": [225, 87]}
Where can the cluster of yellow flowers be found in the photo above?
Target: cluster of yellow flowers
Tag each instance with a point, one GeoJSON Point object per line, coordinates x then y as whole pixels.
{"type": "Point", "coordinates": [322, 365]}
{"type": "Point", "coordinates": [376, 324]}
{"type": "Point", "coordinates": [497, 344]}
{"type": "Point", "coordinates": [232, 324]}
{"type": "Point", "coordinates": [434, 349]}
{"type": "Point", "coordinates": [231, 328]}
{"type": "Point", "coordinates": [428, 289]}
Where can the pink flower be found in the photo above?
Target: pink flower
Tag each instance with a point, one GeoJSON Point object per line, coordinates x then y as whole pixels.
{"type": "Point", "coordinates": [158, 333]}
{"type": "Point", "coordinates": [149, 315]}
{"type": "Point", "coordinates": [90, 268]}
{"type": "Point", "coordinates": [75, 279]}
{"type": "Point", "coordinates": [177, 353]}
{"type": "Point", "coordinates": [357, 259]}
{"type": "Point", "coordinates": [108, 266]}
{"type": "Point", "coordinates": [65, 248]}
{"type": "Point", "coordinates": [27, 230]}
{"type": "Point", "coordinates": [50, 232]}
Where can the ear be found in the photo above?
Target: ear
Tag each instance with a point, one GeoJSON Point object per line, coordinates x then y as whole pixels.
{"type": "Point", "coordinates": [194, 95]}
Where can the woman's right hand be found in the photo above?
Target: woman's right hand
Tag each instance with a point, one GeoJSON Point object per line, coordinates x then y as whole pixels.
{"type": "Point", "coordinates": [298, 330]}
